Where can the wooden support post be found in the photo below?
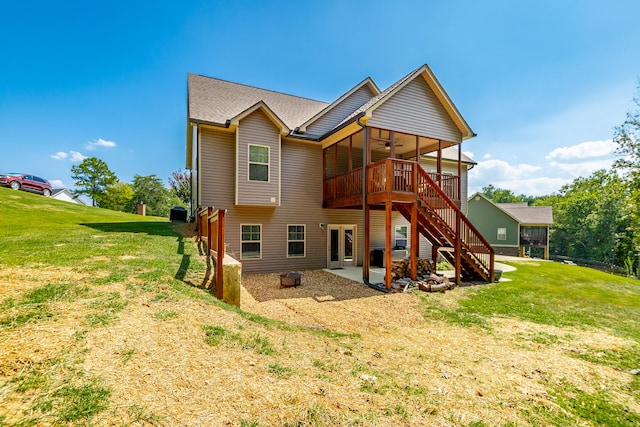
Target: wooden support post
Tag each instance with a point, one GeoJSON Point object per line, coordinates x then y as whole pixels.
{"type": "Point", "coordinates": [492, 271]}
{"type": "Point", "coordinates": [434, 254]}
{"type": "Point", "coordinates": [439, 165]}
{"type": "Point", "coordinates": [366, 262]}
{"type": "Point", "coordinates": [392, 144]}
{"type": "Point", "coordinates": [221, 253]}
{"type": "Point", "coordinates": [414, 240]}
{"type": "Point", "coordinates": [350, 157]}
{"type": "Point", "coordinates": [459, 189]}
{"type": "Point", "coordinates": [387, 246]}
{"type": "Point", "coordinates": [458, 250]}
{"type": "Point", "coordinates": [209, 232]}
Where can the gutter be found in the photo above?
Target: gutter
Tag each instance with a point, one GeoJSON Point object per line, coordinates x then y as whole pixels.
{"type": "Point", "coordinates": [206, 123]}
{"type": "Point", "coordinates": [356, 119]}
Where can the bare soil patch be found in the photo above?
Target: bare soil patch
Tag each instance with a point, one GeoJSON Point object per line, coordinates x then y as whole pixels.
{"type": "Point", "coordinates": [396, 366]}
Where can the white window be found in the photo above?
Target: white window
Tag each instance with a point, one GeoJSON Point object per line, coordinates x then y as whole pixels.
{"type": "Point", "coordinates": [251, 241]}
{"type": "Point", "coordinates": [502, 234]}
{"type": "Point", "coordinates": [401, 236]}
{"type": "Point", "coordinates": [258, 163]}
{"type": "Point", "coordinates": [295, 241]}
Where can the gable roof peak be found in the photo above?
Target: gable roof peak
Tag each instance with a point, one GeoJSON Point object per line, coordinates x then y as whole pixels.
{"type": "Point", "coordinates": [368, 81]}
{"type": "Point", "coordinates": [369, 107]}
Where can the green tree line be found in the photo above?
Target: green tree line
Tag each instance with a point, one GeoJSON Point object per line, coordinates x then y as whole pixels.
{"type": "Point", "coordinates": [95, 180]}
{"type": "Point", "coordinates": [596, 218]}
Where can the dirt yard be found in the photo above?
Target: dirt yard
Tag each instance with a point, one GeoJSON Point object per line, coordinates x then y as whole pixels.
{"type": "Point", "coordinates": [394, 365]}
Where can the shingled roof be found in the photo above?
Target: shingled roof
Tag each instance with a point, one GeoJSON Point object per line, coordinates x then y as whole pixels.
{"type": "Point", "coordinates": [528, 214]}
{"type": "Point", "coordinates": [214, 101]}
{"type": "Point", "coordinates": [451, 153]}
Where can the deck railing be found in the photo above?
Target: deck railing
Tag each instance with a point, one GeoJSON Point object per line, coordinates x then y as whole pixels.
{"type": "Point", "coordinates": [471, 241]}
{"type": "Point", "coordinates": [349, 184]}
{"type": "Point", "coordinates": [439, 193]}
{"type": "Point", "coordinates": [342, 186]}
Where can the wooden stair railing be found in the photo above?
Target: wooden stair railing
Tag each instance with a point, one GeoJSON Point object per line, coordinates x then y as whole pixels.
{"type": "Point", "coordinates": [474, 249]}
{"type": "Point", "coordinates": [441, 220]}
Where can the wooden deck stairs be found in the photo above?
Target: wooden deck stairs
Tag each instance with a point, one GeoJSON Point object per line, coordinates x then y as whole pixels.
{"type": "Point", "coordinates": [439, 219]}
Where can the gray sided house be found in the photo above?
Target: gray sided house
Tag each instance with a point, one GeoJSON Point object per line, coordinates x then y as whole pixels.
{"type": "Point", "coordinates": [310, 184]}
{"type": "Point", "coordinates": [514, 229]}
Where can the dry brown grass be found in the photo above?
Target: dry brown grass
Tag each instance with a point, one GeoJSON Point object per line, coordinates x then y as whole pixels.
{"type": "Point", "coordinates": [395, 366]}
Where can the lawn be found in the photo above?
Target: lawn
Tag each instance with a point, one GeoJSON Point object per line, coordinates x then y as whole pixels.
{"type": "Point", "coordinates": [104, 320]}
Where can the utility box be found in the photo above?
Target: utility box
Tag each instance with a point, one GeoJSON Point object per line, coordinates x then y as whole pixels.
{"type": "Point", "coordinates": [178, 213]}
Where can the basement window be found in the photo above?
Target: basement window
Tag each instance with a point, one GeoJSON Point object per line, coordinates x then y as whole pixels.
{"type": "Point", "coordinates": [251, 241]}
{"type": "Point", "coordinates": [401, 232]}
{"type": "Point", "coordinates": [295, 241]}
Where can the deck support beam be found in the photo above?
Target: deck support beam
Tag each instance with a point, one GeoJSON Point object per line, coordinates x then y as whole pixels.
{"type": "Point", "coordinates": [414, 241]}
{"type": "Point", "coordinates": [457, 250]}
{"type": "Point", "coordinates": [388, 260]}
{"type": "Point", "coordinates": [366, 261]}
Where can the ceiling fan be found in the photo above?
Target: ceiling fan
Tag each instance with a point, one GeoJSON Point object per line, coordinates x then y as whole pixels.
{"type": "Point", "coordinates": [387, 146]}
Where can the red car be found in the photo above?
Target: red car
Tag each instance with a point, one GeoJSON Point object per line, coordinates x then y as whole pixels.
{"type": "Point", "coordinates": [22, 181]}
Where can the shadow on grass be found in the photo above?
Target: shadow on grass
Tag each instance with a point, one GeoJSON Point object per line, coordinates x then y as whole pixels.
{"type": "Point", "coordinates": [155, 229]}
{"type": "Point", "coordinates": [146, 227]}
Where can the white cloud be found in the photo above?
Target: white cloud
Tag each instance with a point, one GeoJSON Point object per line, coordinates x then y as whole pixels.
{"type": "Point", "coordinates": [92, 145]}
{"type": "Point", "coordinates": [583, 168]}
{"type": "Point", "coordinates": [520, 179]}
{"type": "Point", "coordinates": [584, 150]}
{"type": "Point", "coordinates": [499, 169]}
{"type": "Point", "coordinates": [487, 156]}
{"type": "Point", "coordinates": [56, 183]}
{"type": "Point", "coordinates": [59, 155]}
{"type": "Point", "coordinates": [76, 156]}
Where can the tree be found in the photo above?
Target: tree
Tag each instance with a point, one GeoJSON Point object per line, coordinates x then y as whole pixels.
{"type": "Point", "coordinates": [92, 177]}
{"type": "Point", "coordinates": [627, 137]}
{"type": "Point", "coordinates": [501, 195]}
{"type": "Point", "coordinates": [150, 191]}
{"type": "Point", "coordinates": [180, 185]}
{"type": "Point", "coordinates": [117, 197]}
{"type": "Point", "coordinates": [591, 219]}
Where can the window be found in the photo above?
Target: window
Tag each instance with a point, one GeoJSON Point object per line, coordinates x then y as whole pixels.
{"type": "Point", "coordinates": [295, 241]}
{"type": "Point", "coordinates": [251, 241]}
{"type": "Point", "coordinates": [401, 236]}
{"type": "Point", "coordinates": [502, 234]}
{"type": "Point", "coordinates": [258, 163]}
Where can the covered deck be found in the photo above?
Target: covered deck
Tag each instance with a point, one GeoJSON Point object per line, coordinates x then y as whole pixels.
{"type": "Point", "coordinates": [378, 169]}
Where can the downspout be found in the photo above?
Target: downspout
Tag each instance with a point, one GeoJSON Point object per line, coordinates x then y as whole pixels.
{"type": "Point", "coordinates": [365, 225]}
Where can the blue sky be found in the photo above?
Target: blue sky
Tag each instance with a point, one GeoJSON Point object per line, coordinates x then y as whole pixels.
{"type": "Point", "coordinates": [542, 83]}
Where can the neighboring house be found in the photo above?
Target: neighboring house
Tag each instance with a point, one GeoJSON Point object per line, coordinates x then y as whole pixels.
{"type": "Point", "coordinates": [290, 173]}
{"type": "Point", "coordinates": [66, 195]}
{"type": "Point", "coordinates": [514, 229]}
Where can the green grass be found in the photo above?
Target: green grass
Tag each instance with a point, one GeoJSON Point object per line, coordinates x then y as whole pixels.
{"type": "Point", "coordinates": [146, 260]}
{"type": "Point", "coordinates": [279, 371]}
{"type": "Point", "coordinates": [596, 407]}
{"type": "Point", "coordinates": [552, 294]}
{"type": "Point", "coordinates": [165, 314]}
{"type": "Point", "coordinates": [94, 248]}
{"type": "Point", "coordinates": [215, 335]}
